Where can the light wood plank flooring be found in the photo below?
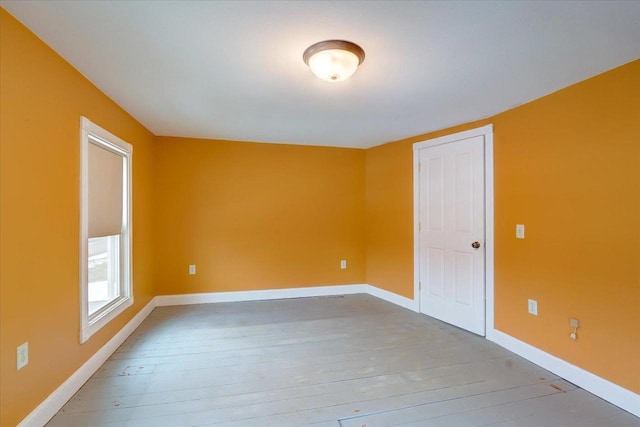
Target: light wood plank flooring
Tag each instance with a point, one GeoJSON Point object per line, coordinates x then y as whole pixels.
{"type": "Point", "coordinates": [352, 361]}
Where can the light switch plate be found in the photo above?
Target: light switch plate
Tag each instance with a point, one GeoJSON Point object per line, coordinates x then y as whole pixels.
{"type": "Point", "coordinates": [343, 264]}
{"type": "Point", "coordinates": [519, 231]}
{"type": "Point", "coordinates": [22, 355]}
{"type": "Point", "coordinates": [192, 269]}
{"type": "Point", "coordinates": [533, 307]}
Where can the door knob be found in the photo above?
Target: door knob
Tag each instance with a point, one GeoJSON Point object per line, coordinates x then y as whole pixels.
{"type": "Point", "coordinates": [475, 245]}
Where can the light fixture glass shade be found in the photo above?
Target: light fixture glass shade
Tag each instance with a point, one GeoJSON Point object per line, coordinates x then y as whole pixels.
{"type": "Point", "coordinates": [333, 65]}
{"type": "Point", "coordinates": [334, 60]}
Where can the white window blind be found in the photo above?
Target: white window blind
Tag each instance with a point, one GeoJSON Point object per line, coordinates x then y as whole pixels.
{"type": "Point", "coordinates": [106, 169]}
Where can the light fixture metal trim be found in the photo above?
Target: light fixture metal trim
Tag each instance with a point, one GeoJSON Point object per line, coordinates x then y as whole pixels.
{"type": "Point", "coordinates": [333, 44]}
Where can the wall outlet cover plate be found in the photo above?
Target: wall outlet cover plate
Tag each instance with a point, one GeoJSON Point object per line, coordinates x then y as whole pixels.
{"type": "Point", "coordinates": [22, 355]}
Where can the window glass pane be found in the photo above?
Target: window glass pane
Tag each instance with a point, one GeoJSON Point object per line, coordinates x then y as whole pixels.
{"type": "Point", "coordinates": [104, 281]}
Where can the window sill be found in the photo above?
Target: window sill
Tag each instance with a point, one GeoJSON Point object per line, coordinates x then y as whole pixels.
{"type": "Point", "coordinates": [97, 323]}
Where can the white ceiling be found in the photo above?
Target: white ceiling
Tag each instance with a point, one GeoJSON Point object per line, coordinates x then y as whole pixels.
{"type": "Point", "coordinates": [234, 70]}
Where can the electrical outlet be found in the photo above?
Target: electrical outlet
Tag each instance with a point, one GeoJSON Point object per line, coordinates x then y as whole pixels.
{"type": "Point", "coordinates": [192, 269]}
{"type": "Point", "coordinates": [519, 231]}
{"type": "Point", "coordinates": [343, 264]}
{"type": "Point", "coordinates": [22, 354]}
{"type": "Point", "coordinates": [575, 324]}
{"type": "Point", "coordinates": [533, 307]}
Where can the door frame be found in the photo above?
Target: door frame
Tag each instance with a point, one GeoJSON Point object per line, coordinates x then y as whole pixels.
{"type": "Point", "coordinates": [487, 133]}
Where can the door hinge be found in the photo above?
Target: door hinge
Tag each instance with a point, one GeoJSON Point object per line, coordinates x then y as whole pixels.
{"type": "Point", "coordinates": [419, 167]}
{"type": "Point", "coordinates": [420, 286]}
{"type": "Point", "coordinates": [419, 226]}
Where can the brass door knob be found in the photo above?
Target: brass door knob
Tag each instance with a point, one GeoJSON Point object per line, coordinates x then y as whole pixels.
{"type": "Point", "coordinates": [475, 245]}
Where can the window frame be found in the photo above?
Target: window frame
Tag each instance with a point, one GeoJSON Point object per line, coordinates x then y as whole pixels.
{"type": "Point", "coordinates": [89, 325]}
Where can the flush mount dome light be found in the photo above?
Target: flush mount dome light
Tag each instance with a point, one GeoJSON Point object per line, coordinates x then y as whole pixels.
{"type": "Point", "coordinates": [333, 60]}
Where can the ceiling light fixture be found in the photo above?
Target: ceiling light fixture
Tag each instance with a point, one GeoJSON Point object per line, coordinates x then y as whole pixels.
{"type": "Point", "coordinates": [333, 60]}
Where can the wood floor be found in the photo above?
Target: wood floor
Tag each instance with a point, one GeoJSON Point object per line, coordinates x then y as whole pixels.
{"type": "Point", "coordinates": [352, 361]}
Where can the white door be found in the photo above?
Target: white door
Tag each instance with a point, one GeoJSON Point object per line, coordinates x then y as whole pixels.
{"type": "Point", "coordinates": [451, 232]}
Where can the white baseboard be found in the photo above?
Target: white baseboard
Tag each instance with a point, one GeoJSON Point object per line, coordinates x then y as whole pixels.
{"type": "Point", "coordinates": [56, 400]}
{"type": "Point", "coordinates": [212, 297]}
{"type": "Point", "coordinates": [315, 291]}
{"type": "Point", "coordinates": [392, 298]}
{"type": "Point", "coordinates": [613, 393]}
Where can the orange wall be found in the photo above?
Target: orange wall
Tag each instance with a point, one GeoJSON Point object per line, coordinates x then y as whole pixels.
{"type": "Point", "coordinates": [256, 216]}
{"type": "Point", "coordinates": [41, 101]}
{"type": "Point", "coordinates": [568, 167]}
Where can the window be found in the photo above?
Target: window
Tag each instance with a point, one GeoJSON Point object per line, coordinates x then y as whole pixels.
{"type": "Point", "coordinates": [105, 227]}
